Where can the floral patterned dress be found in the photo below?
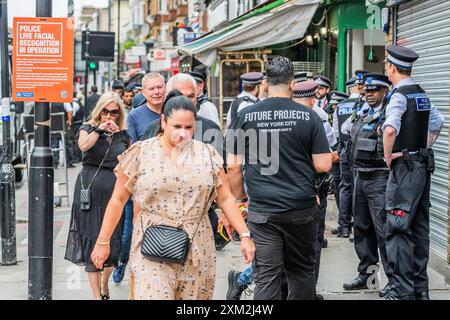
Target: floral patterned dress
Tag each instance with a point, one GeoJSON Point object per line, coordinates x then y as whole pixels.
{"type": "Point", "coordinates": [174, 194]}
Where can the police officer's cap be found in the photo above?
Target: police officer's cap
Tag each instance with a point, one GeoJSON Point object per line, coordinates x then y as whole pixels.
{"type": "Point", "coordinates": [337, 97]}
{"type": "Point", "coordinates": [350, 83]}
{"type": "Point", "coordinates": [359, 76]}
{"type": "Point", "coordinates": [198, 76]}
{"type": "Point", "coordinates": [322, 81]}
{"type": "Point", "coordinates": [401, 56]}
{"type": "Point", "coordinates": [300, 76]}
{"type": "Point", "coordinates": [252, 78]}
{"type": "Point", "coordinates": [117, 84]}
{"type": "Point", "coordinates": [305, 89]}
{"type": "Point", "coordinates": [376, 81]}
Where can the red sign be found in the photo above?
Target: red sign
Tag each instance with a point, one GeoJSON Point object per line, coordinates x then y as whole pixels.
{"type": "Point", "coordinates": [159, 54]}
{"type": "Point", "coordinates": [43, 59]}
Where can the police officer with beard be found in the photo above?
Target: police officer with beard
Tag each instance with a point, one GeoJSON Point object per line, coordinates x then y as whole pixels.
{"type": "Point", "coordinates": [412, 126]}
{"type": "Point", "coordinates": [371, 175]}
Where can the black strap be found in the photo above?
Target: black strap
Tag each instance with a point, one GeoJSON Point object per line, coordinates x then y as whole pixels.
{"type": "Point", "coordinates": [235, 106]}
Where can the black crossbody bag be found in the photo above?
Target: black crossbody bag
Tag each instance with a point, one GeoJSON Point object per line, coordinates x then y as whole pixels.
{"type": "Point", "coordinates": [166, 243]}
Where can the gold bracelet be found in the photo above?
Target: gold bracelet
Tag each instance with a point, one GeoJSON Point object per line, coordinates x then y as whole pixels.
{"type": "Point", "coordinates": [106, 243]}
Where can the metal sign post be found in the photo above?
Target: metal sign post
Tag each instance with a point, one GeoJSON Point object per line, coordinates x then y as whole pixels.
{"type": "Point", "coordinates": [7, 175]}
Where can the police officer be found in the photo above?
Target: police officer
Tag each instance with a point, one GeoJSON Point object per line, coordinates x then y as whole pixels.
{"type": "Point", "coordinates": [371, 174]}
{"type": "Point", "coordinates": [336, 98]}
{"type": "Point", "coordinates": [322, 91]}
{"type": "Point", "coordinates": [342, 114]}
{"type": "Point", "coordinates": [411, 127]}
{"type": "Point", "coordinates": [251, 85]}
{"type": "Point", "coordinates": [205, 108]}
{"type": "Point", "coordinates": [300, 77]}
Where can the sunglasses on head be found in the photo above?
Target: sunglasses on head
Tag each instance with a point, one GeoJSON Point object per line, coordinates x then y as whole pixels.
{"type": "Point", "coordinates": [114, 113]}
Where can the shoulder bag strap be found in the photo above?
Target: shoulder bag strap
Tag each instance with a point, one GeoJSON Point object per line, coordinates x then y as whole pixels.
{"type": "Point", "coordinates": [98, 169]}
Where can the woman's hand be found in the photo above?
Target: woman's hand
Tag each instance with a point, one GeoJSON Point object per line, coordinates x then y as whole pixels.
{"type": "Point", "coordinates": [99, 255]}
{"type": "Point", "coordinates": [111, 126]}
{"type": "Point", "coordinates": [248, 249]}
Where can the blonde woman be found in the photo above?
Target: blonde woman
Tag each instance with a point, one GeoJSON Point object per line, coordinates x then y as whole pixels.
{"type": "Point", "coordinates": [101, 140]}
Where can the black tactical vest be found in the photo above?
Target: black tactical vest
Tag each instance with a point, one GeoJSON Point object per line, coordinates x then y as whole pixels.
{"type": "Point", "coordinates": [201, 100]}
{"type": "Point", "coordinates": [414, 128]}
{"type": "Point", "coordinates": [235, 106]}
{"type": "Point", "coordinates": [367, 146]}
{"type": "Point", "coordinates": [344, 111]}
{"type": "Point", "coordinates": [78, 118]}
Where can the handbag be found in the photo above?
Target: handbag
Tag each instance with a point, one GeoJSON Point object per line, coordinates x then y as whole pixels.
{"type": "Point", "coordinates": [166, 243]}
{"type": "Point", "coordinates": [85, 193]}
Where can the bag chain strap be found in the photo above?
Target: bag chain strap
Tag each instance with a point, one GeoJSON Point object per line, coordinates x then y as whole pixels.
{"type": "Point", "coordinates": [98, 169]}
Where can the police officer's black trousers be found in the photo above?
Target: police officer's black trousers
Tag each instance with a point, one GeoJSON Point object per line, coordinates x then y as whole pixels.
{"type": "Point", "coordinates": [336, 173]}
{"type": "Point", "coordinates": [320, 230]}
{"type": "Point", "coordinates": [345, 193]}
{"type": "Point", "coordinates": [285, 242]}
{"type": "Point", "coordinates": [370, 220]}
{"type": "Point", "coordinates": [407, 237]}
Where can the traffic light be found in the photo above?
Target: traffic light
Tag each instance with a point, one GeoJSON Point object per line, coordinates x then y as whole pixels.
{"type": "Point", "coordinates": [93, 65]}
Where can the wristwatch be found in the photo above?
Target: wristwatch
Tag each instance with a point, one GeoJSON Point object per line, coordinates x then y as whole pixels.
{"type": "Point", "coordinates": [246, 235]}
{"type": "Point", "coordinates": [99, 131]}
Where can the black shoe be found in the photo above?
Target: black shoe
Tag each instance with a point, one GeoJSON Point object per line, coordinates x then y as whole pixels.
{"type": "Point", "coordinates": [385, 291]}
{"type": "Point", "coordinates": [344, 233]}
{"type": "Point", "coordinates": [359, 283]}
{"type": "Point", "coordinates": [335, 230]}
{"type": "Point", "coordinates": [235, 290]}
{"type": "Point", "coordinates": [318, 297]}
{"type": "Point", "coordinates": [392, 295]}
{"type": "Point", "coordinates": [422, 295]}
{"type": "Point", "coordinates": [324, 243]}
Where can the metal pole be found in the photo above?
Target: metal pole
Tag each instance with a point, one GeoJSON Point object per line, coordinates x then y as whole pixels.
{"type": "Point", "coordinates": [40, 201]}
{"type": "Point", "coordinates": [342, 50]}
{"type": "Point", "coordinates": [86, 75]}
{"type": "Point", "coordinates": [109, 30]}
{"type": "Point", "coordinates": [118, 42]}
{"type": "Point", "coordinates": [7, 175]}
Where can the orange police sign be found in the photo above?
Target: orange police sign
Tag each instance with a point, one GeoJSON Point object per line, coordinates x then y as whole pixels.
{"type": "Point", "coordinates": [43, 59]}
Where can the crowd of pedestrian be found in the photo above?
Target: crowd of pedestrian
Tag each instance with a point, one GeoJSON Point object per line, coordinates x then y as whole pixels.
{"type": "Point", "coordinates": [154, 155]}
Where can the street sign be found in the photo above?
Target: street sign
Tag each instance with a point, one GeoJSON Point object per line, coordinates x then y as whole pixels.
{"type": "Point", "coordinates": [100, 47]}
{"type": "Point", "coordinates": [43, 59]}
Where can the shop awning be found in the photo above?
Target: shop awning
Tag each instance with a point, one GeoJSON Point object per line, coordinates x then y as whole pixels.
{"type": "Point", "coordinates": [277, 22]}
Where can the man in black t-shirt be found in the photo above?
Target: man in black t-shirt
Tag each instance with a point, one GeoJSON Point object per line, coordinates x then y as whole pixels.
{"type": "Point", "coordinates": [284, 145]}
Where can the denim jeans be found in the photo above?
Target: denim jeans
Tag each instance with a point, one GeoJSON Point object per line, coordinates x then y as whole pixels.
{"type": "Point", "coordinates": [245, 278]}
{"type": "Point", "coordinates": [127, 232]}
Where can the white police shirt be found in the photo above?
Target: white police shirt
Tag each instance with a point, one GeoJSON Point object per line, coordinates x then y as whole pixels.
{"type": "Point", "coordinates": [397, 107]}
